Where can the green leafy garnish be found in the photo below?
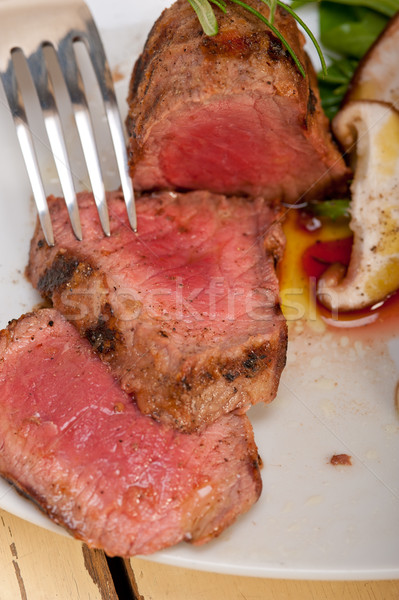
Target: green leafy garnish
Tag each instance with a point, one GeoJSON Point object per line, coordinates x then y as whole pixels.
{"type": "Point", "coordinates": [221, 4]}
{"type": "Point", "coordinates": [273, 5]}
{"type": "Point", "coordinates": [207, 18]}
{"type": "Point", "coordinates": [347, 28]}
{"type": "Point", "coordinates": [310, 34]}
{"type": "Point", "coordinates": [331, 209]}
{"type": "Point", "coordinates": [275, 31]}
{"type": "Point", "coordinates": [385, 7]}
{"type": "Point", "coordinates": [333, 86]}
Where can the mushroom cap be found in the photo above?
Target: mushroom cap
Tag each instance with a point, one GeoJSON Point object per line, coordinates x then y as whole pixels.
{"type": "Point", "coordinates": [377, 76]}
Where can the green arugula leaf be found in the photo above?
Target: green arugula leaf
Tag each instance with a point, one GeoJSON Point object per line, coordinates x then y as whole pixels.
{"type": "Point", "coordinates": [349, 30]}
{"type": "Point", "coordinates": [331, 209]}
{"type": "Point", "coordinates": [334, 85]}
{"type": "Point", "coordinates": [384, 7]}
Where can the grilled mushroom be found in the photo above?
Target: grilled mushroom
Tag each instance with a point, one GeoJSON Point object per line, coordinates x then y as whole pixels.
{"type": "Point", "coordinates": [369, 131]}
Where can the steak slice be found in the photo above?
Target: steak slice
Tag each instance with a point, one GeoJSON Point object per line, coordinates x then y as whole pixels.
{"type": "Point", "coordinates": [229, 113]}
{"type": "Point", "coordinates": [76, 444]}
{"type": "Point", "coordinates": [186, 311]}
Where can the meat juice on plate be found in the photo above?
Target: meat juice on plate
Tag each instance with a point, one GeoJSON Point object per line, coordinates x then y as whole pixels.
{"type": "Point", "coordinates": [313, 245]}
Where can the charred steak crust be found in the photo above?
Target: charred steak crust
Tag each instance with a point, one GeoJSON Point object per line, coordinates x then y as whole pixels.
{"type": "Point", "coordinates": [229, 113]}
{"type": "Point", "coordinates": [75, 443]}
{"type": "Point", "coordinates": [60, 273]}
{"type": "Point", "coordinates": [68, 273]}
{"type": "Point", "coordinates": [186, 312]}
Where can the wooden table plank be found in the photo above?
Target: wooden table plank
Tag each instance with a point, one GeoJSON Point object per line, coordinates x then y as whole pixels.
{"type": "Point", "coordinates": [162, 582]}
{"type": "Point", "coordinates": [36, 564]}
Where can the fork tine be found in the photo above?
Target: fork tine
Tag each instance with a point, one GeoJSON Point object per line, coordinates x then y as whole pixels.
{"type": "Point", "coordinates": [99, 61]}
{"type": "Point", "coordinates": [38, 74]}
{"type": "Point", "coordinates": [118, 139]}
{"type": "Point", "coordinates": [86, 134]}
{"type": "Point", "coordinates": [56, 139]}
{"type": "Point", "coordinates": [30, 158]}
{"type": "Point", "coordinates": [24, 136]}
{"type": "Point", "coordinates": [69, 71]}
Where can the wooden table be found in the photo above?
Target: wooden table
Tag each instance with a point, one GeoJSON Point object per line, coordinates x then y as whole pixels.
{"type": "Point", "coordinates": [36, 564]}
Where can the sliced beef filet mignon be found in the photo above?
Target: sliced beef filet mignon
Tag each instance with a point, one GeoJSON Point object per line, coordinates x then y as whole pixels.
{"type": "Point", "coordinates": [229, 113]}
{"type": "Point", "coordinates": [186, 311]}
{"type": "Point", "coordinates": [71, 440]}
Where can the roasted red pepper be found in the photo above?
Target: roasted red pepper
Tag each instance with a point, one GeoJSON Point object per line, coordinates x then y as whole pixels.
{"type": "Point", "coordinates": [321, 255]}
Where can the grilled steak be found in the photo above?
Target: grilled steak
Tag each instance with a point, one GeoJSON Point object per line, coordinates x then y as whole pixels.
{"type": "Point", "coordinates": [186, 311]}
{"type": "Point", "coordinates": [229, 113]}
{"type": "Point", "coordinates": [77, 445]}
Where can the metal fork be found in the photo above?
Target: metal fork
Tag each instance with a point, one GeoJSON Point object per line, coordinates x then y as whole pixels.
{"type": "Point", "coordinates": [38, 53]}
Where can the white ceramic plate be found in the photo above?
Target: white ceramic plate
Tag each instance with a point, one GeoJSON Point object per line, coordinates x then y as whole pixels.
{"type": "Point", "coordinates": [336, 396]}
